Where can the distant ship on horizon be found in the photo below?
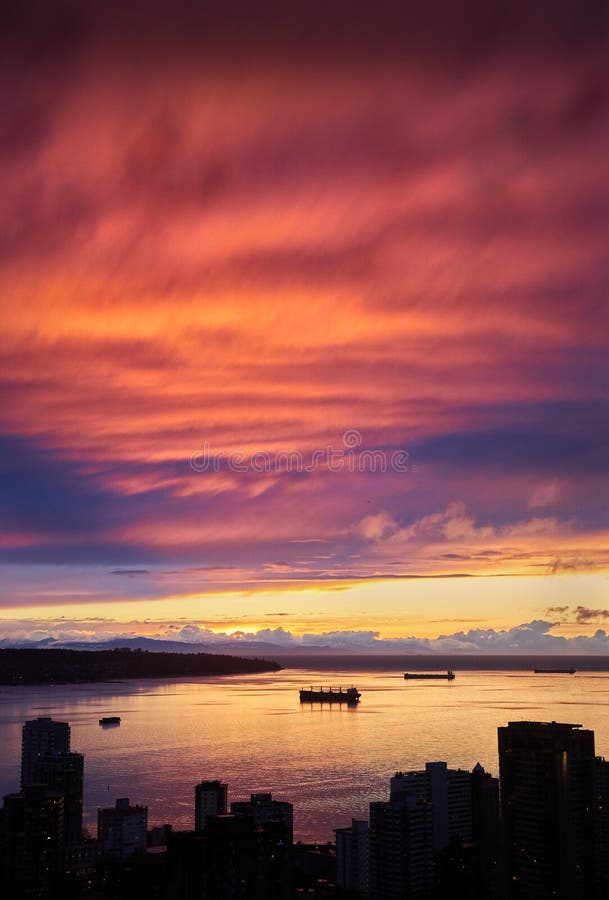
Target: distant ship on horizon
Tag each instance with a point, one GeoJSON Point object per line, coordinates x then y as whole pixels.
{"type": "Point", "coordinates": [331, 695]}
{"type": "Point", "coordinates": [449, 675]}
{"type": "Point", "coordinates": [110, 720]}
{"type": "Point", "coordinates": [555, 671]}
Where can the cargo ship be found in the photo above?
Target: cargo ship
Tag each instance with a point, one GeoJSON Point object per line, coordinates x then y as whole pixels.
{"type": "Point", "coordinates": [445, 676]}
{"type": "Point", "coordinates": [110, 720]}
{"type": "Point", "coordinates": [330, 695]}
{"type": "Point", "coordinates": [554, 671]}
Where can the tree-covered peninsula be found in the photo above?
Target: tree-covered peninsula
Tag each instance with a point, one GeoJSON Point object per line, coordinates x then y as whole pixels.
{"type": "Point", "coordinates": [56, 666]}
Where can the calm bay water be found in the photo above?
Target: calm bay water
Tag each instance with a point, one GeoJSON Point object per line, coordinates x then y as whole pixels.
{"type": "Point", "coordinates": [253, 733]}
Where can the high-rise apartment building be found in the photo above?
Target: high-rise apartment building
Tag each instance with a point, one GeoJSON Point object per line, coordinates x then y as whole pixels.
{"type": "Point", "coordinates": [450, 792]}
{"type": "Point", "coordinates": [424, 839]}
{"type": "Point", "coordinates": [601, 825]}
{"type": "Point", "coordinates": [352, 856]}
{"type": "Point", "coordinates": [42, 736]}
{"type": "Point", "coordinates": [210, 800]}
{"type": "Point", "coordinates": [547, 804]}
{"type": "Point", "coordinates": [62, 773]}
{"type": "Point", "coordinates": [31, 843]}
{"type": "Point", "coordinates": [401, 849]}
{"type": "Point", "coordinates": [275, 820]}
{"type": "Point", "coordinates": [122, 830]}
{"type": "Point", "coordinates": [265, 811]}
{"type": "Point", "coordinates": [232, 857]}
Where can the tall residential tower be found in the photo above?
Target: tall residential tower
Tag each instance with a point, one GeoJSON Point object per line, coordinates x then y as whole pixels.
{"type": "Point", "coordinates": [546, 772]}
{"type": "Point", "coordinates": [41, 737]}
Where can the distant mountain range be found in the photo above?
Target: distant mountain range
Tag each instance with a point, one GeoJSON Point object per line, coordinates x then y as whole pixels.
{"type": "Point", "coordinates": [249, 648]}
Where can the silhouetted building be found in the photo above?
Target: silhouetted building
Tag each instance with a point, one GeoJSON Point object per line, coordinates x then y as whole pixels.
{"type": "Point", "coordinates": [547, 805]}
{"type": "Point", "coordinates": [313, 865]}
{"type": "Point", "coordinates": [485, 805]}
{"type": "Point", "coordinates": [31, 844]}
{"type": "Point", "coordinates": [264, 810]}
{"type": "Point", "coordinates": [468, 868]}
{"type": "Point", "coordinates": [232, 858]}
{"type": "Point", "coordinates": [449, 790]}
{"type": "Point", "coordinates": [601, 825]}
{"type": "Point", "coordinates": [122, 830]}
{"type": "Point", "coordinates": [486, 832]}
{"type": "Point", "coordinates": [63, 774]}
{"type": "Point", "coordinates": [352, 857]}
{"type": "Point", "coordinates": [42, 736]}
{"type": "Point", "coordinates": [159, 835]}
{"type": "Point", "coordinates": [210, 800]}
{"type": "Point", "coordinates": [82, 859]}
{"type": "Point", "coordinates": [401, 849]}
{"type": "Point", "coordinates": [276, 818]}
{"type": "Point", "coordinates": [428, 840]}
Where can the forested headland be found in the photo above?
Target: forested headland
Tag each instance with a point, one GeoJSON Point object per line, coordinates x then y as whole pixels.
{"type": "Point", "coordinates": [60, 666]}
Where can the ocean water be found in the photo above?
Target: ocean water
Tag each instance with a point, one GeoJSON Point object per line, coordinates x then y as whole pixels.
{"type": "Point", "coordinates": [253, 733]}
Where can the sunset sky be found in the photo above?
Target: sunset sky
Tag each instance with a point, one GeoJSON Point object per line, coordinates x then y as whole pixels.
{"type": "Point", "coordinates": [228, 236]}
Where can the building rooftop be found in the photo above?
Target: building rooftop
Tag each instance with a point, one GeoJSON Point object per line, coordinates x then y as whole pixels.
{"type": "Point", "coordinates": [523, 723]}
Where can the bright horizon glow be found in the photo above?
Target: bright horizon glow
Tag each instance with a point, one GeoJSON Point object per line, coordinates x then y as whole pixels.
{"type": "Point", "coordinates": [399, 609]}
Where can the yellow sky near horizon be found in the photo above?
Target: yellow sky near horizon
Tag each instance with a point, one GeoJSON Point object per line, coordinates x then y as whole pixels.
{"type": "Point", "coordinates": [423, 608]}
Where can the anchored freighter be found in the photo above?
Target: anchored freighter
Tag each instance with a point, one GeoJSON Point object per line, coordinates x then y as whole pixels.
{"type": "Point", "coordinates": [445, 676]}
{"type": "Point", "coordinates": [330, 695]}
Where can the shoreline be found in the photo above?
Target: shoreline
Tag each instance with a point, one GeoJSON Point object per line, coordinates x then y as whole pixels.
{"type": "Point", "coordinates": [54, 667]}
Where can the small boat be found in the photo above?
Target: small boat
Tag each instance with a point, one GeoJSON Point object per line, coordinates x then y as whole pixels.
{"type": "Point", "coordinates": [554, 671]}
{"type": "Point", "coordinates": [445, 676]}
{"type": "Point", "coordinates": [331, 695]}
{"type": "Point", "coordinates": [110, 720]}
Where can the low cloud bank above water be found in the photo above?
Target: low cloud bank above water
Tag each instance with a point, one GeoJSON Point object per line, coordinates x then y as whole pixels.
{"type": "Point", "coordinates": [529, 637]}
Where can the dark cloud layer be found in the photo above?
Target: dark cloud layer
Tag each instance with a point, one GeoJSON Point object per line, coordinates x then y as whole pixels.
{"type": "Point", "coordinates": [40, 492]}
{"type": "Point", "coordinates": [462, 34]}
